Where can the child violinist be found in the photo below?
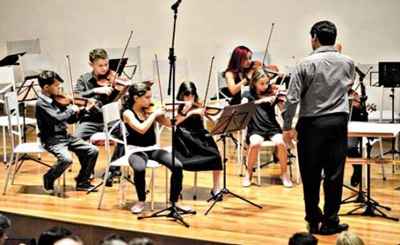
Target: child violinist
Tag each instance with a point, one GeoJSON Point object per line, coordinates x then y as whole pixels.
{"type": "Point", "coordinates": [52, 118]}
{"type": "Point", "coordinates": [264, 126]}
{"type": "Point", "coordinates": [194, 146]}
{"type": "Point", "coordinates": [141, 125]}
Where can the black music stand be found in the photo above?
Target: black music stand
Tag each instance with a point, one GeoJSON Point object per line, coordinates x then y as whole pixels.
{"type": "Point", "coordinates": [27, 91]}
{"type": "Point", "coordinates": [113, 64]}
{"type": "Point", "coordinates": [233, 118]}
{"type": "Point", "coordinates": [366, 200]}
{"type": "Point", "coordinates": [11, 59]}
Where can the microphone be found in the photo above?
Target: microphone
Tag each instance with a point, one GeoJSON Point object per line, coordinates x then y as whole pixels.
{"type": "Point", "coordinates": [176, 5]}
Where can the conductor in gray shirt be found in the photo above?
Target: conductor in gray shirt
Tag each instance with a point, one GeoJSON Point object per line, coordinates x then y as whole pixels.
{"type": "Point", "coordinates": [319, 84]}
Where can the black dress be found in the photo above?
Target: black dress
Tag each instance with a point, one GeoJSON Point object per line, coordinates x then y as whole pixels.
{"type": "Point", "coordinates": [195, 147]}
{"type": "Point", "coordinates": [237, 98]}
{"type": "Point", "coordinates": [263, 121]}
{"type": "Point", "coordinates": [137, 139]}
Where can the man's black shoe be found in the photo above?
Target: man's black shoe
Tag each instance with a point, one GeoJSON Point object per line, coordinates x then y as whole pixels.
{"type": "Point", "coordinates": [84, 186]}
{"type": "Point", "coordinates": [330, 230]}
{"type": "Point", "coordinates": [313, 228]}
{"type": "Point", "coordinates": [48, 185]}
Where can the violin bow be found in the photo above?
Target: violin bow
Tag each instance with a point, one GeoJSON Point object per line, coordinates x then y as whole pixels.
{"type": "Point", "coordinates": [69, 72]}
{"type": "Point", "coordinates": [208, 82]}
{"type": "Point", "coordinates": [268, 42]}
{"type": "Point", "coordinates": [158, 78]}
{"type": "Point", "coordinates": [123, 91]}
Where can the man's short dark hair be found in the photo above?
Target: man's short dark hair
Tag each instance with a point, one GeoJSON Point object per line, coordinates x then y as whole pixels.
{"type": "Point", "coordinates": [48, 78]}
{"type": "Point", "coordinates": [5, 223]}
{"type": "Point", "coordinates": [303, 238]}
{"type": "Point", "coordinates": [96, 54]}
{"type": "Point", "coordinates": [325, 31]}
{"type": "Point", "coordinates": [53, 235]}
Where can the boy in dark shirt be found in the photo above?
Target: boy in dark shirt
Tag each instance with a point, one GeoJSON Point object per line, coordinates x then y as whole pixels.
{"type": "Point", "coordinates": [52, 118]}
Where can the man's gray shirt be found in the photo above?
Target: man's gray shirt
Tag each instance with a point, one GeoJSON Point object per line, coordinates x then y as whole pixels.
{"type": "Point", "coordinates": [320, 84]}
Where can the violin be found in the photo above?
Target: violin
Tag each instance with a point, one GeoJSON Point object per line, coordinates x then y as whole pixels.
{"type": "Point", "coordinates": [154, 105]}
{"type": "Point", "coordinates": [208, 110]}
{"type": "Point", "coordinates": [110, 79]}
{"type": "Point", "coordinates": [64, 101]}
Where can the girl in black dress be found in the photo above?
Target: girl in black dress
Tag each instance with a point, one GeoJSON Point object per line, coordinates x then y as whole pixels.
{"type": "Point", "coordinates": [263, 126]}
{"type": "Point", "coordinates": [140, 124]}
{"type": "Point", "coordinates": [195, 147]}
{"type": "Point", "coordinates": [238, 72]}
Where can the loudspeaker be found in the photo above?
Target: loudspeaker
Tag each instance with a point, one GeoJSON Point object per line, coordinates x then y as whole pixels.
{"type": "Point", "coordinates": [389, 74]}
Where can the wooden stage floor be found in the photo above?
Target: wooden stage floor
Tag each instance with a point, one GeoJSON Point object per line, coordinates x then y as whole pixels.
{"type": "Point", "coordinates": [231, 221]}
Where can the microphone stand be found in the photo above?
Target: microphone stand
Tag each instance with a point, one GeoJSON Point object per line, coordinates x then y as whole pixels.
{"type": "Point", "coordinates": [173, 211]}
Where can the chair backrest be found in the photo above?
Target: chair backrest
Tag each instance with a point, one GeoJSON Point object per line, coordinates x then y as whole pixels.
{"type": "Point", "coordinates": [111, 112]}
{"type": "Point", "coordinates": [12, 110]}
{"type": "Point", "coordinates": [112, 122]}
{"type": "Point", "coordinates": [7, 75]}
{"type": "Point", "coordinates": [7, 81]}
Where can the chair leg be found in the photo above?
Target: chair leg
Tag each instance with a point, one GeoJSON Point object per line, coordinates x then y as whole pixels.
{"type": "Point", "coordinates": [9, 166]}
{"type": "Point", "coordinates": [166, 187]}
{"type": "Point", "coordinates": [4, 144]}
{"type": "Point", "coordinates": [195, 186]}
{"type": "Point", "coordinates": [122, 187]}
{"type": "Point", "coordinates": [16, 167]}
{"type": "Point", "coordinates": [258, 169]}
{"type": "Point", "coordinates": [64, 185]}
{"type": "Point", "coordinates": [152, 189]}
{"type": "Point", "coordinates": [243, 162]}
{"type": "Point", "coordinates": [38, 140]}
{"type": "Point", "coordinates": [381, 155]}
{"type": "Point", "coordinates": [383, 172]}
{"type": "Point", "coordinates": [103, 187]}
{"type": "Point", "coordinates": [239, 149]}
{"type": "Point", "coordinates": [59, 184]}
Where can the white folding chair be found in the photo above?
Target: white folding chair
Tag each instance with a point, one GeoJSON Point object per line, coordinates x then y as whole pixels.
{"type": "Point", "coordinates": [7, 82]}
{"type": "Point", "coordinates": [111, 115]}
{"type": "Point", "coordinates": [266, 145]}
{"type": "Point", "coordinates": [19, 148]}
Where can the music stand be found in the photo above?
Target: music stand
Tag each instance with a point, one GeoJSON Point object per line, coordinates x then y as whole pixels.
{"type": "Point", "coordinates": [233, 118]}
{"type": "Point", "coordinates": [113, 64]}
{"type": "Point", "coordinates": [11, 59]}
